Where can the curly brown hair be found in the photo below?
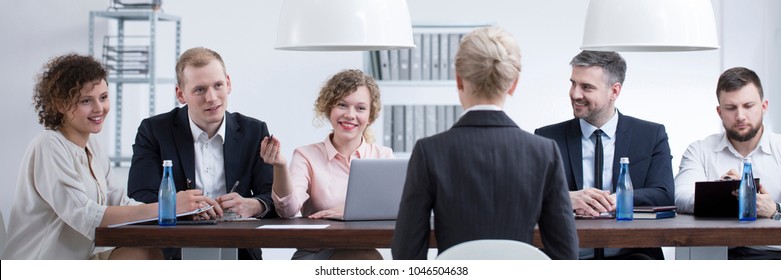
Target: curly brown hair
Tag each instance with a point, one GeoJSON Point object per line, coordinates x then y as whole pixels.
{"type": "Point", "coordinates": [343, 84]}
{"type": "Point", "coordinates": [58, 86]}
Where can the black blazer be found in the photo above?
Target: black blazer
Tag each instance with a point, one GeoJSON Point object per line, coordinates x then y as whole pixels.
{"type": "Point", "coordinates": [645, 143]}
{"type": "Point", "coordinates": [168, 136]}
{"type": "Point", "coordinates": [485, 178]}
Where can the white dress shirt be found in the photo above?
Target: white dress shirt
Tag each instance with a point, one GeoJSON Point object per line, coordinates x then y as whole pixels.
{"type": "Point", "coordinates": [58, 203]}
{"type": "Point", "coordinates": [588, 146]}
{"type": "Point", "coordinates": [209, 160]}
{"type": "Point", "coordinates": [481, 107]}
{"type": "Point", "coordinates": [710, 158]}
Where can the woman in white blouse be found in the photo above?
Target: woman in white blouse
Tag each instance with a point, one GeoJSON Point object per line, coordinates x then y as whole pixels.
{"type": "Point", "coordinates": [65, 188]}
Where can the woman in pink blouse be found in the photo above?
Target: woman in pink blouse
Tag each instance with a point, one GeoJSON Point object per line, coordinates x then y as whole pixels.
{"type": "Point", "coordinates": [317, 182]}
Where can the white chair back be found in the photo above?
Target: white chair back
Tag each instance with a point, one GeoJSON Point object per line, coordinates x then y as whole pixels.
{"type": "Point", "coordinates": [493, 249]}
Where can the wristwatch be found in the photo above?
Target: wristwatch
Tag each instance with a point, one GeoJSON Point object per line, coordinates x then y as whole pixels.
{"type": "Point", "coordinates": [777, 216]}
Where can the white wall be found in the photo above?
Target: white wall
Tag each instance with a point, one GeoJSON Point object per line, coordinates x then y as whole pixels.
{"type": "Point", "coordinates": [279, 87]}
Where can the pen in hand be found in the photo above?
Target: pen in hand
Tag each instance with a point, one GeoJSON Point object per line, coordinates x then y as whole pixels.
{"type": "Point", "coordinates": [233, 189]}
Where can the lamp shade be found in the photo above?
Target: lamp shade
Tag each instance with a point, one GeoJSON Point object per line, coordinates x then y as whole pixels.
{"type": "Point", "coordinates": [344, 25]}
{"type": "Point", "coordinates": [650, 25]}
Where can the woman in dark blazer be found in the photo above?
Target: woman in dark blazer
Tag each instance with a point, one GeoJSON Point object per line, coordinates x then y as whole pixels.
{"type": "Point", "coordinates": [485, 178]}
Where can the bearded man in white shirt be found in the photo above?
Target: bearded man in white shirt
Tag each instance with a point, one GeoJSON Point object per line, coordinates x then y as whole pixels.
{"type": "Point", "coordinates": [742, 107]}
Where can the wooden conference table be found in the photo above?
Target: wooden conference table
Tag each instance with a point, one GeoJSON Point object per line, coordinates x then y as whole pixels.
{"type": "Point", "coordinates": [696, 238]}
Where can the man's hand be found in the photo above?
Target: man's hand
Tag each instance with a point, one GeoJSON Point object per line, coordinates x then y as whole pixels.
{"type": "Point", "coordinates": [732, 174]}
{"type": "Point", "coordinates": [591, 202]}
{"type": "Point", "coordinates": [244, 207]}
{"type": "Point", "coordinates": [190, 200]}
{"type": "Point", "coordinates": [766, 207]}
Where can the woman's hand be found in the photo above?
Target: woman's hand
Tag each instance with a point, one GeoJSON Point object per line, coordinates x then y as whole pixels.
{"type": "Point", "coordinates": [191, 200]}
{"type": "Point", "coordinates": [269, 151]}
{"type": "Point", "coordinates": [333, 213]}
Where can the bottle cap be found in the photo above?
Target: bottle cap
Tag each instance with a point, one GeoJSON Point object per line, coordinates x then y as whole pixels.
{"type": "Point", "coordinates": [167, 163]}
{"type": "Point", "coordinates": [624, 160]}
{"type": "Point", "coordinates": [747, 160]}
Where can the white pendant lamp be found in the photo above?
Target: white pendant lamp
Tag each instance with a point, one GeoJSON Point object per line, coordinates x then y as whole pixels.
{"type": "Point", "coordinates": [650, 26]}
{"type": "Point", "coordinates": [344, 25]}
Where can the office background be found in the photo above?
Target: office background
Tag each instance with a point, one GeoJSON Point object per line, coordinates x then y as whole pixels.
{"type": "Point", "coordinates": [676, 89]}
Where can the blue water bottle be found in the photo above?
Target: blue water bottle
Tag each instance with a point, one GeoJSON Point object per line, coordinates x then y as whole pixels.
{"type": "Point", "coordinates": [747, 194]}
{"type": "Point", "coordinates": [166, 198]}
{"type": "Point", "coordinates": [624, 193]}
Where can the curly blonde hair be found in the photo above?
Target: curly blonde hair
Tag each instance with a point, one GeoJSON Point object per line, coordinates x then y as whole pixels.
{"type": "Point", "coordinates": [59, 86]}
{"type": "Point", "coordinates": [343, 84]}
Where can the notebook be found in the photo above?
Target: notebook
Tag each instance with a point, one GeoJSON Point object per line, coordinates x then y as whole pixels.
{"type": "Point", "coordinates": [374, 189]}
{"type": "Point", "coordinates": [715, 199]}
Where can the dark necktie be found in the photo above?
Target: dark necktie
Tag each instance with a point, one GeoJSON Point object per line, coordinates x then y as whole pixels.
{"type": "Point", "coordinates": [598, 159]}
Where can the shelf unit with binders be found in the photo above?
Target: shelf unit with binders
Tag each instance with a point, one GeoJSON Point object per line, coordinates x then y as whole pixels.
{"type": "Point", "coordinates": [132, 59]}
{"type": "Point", "coordinates": [418, 85]}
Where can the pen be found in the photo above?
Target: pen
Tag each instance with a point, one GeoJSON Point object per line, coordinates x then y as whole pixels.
{"type": "Point", "coordinates": [189, 184]}
{"type": "Point", "coordinates": [271, 138]}
{"type": "Point", "coordinates": [233, 189]}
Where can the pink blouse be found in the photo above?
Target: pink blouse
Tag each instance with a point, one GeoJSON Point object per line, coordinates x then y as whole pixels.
{"type": "Point", "coordinates": [318, 176]}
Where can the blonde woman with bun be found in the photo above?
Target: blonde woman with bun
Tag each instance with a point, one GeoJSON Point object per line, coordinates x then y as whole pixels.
{"type": "Point", "coordinates": [485, 178]}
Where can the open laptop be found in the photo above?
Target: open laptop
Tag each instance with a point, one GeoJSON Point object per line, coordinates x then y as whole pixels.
{"type": "Point", "coordinates": [715, 199]}
{"type": "Point", "coordinates": [374, 189]}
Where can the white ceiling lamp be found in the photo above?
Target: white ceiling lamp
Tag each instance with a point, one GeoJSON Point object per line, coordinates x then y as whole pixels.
{"type": "Point", "coordinates": [344, 25]}
{"type": "Point", "coordinates": [650, 26]}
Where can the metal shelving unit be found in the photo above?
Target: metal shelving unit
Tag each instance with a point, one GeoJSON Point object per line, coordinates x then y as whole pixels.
{"type": "Point", "coordinates": [146, 76]}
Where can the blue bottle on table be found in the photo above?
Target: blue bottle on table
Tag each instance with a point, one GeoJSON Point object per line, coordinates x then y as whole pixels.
{"type": "Point", "coordinates": [624, 193]}
{"type": "Point", "coordinates": [166, 197]}
{"type": "Point", "coordinates": [747, 194]}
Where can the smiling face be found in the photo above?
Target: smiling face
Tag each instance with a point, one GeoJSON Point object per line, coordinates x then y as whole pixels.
{"type": "Point", "coordinates": [350, 115]}
{"type": "Point", "coordinates": [741, 112]}
{"type": "Point", "coordinates": [592, 99]}
{"type": "Point", "coordinates": [87, 115]}
{"type": "Point", "coordinates": [205, 91]}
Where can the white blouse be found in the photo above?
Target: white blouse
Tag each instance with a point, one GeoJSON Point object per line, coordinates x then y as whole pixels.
{"type": "Point", "coordinates": [58, 202]}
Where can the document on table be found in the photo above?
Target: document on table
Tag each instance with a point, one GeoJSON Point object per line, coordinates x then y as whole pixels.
{"type": "Point", "coordinates": [196, 211]}
{"type": "Point", "coordinates": [293, 226]}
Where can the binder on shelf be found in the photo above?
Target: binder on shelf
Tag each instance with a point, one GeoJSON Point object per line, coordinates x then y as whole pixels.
{"type": "Point", "coordinates": [394, 65]}
{"type": "Point", "coordinates": [440, 118]}
{"type": "Point", "coordinates": [419, 120]}
{"type": "Point", "coordinates": [374, 60]}
{"type": "Point", "coordinates": [425, 64]}
{"type": "Point", "coordinates": [404, 64]}
{"type": "Point", "coordinates": [409, 128]}
{"type": "Point", "coordinates": [387, 126]}
{"type": "Point", "coordinates": [455, 40]}
{"type": "Point", "coordinates": [449, 111]}
{"type": "Point", "coordinates": [398, 128]}
{"type": "Point", "coordinates": [431, 120]}
{"type": "Point", "coordinates": [435, 56]}
{"type": "Point", "coordinates": [444, 57]}
{"type": "Point", "coordinates": [415, 72]}
{"type": "Point", "coordinates": [384, 65]}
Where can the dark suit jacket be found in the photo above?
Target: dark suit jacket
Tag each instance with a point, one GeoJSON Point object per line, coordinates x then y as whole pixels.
{"type": "Point", "coordinates": [167, 137]}
{"type": "Point", "coordinates": [485, 178]}
{"type": "Point", "coordinates": [645, 143]}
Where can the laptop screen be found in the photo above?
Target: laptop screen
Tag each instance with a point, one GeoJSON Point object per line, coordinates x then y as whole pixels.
{"type": "Point", "coordinates": [374, 189]}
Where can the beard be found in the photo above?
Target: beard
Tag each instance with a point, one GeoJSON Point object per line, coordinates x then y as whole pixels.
{"type": "Point", "coordinates": [735, 135]}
